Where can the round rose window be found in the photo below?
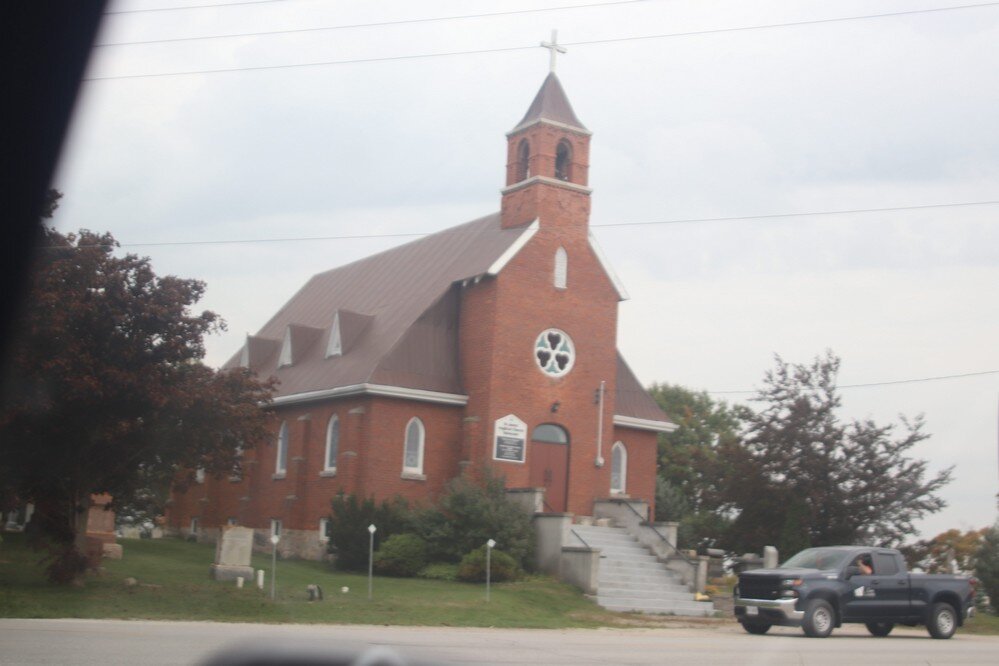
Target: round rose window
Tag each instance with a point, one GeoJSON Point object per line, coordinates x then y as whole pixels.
{"type": "Point", "coordinates": [554, 352]}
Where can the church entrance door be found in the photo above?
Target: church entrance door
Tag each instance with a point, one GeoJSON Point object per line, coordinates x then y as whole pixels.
{"type": "Point", "coordinates": [550, 465]}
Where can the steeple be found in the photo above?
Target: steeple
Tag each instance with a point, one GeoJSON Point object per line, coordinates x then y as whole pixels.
{"type": "Point", "coordinates": [548, 160]}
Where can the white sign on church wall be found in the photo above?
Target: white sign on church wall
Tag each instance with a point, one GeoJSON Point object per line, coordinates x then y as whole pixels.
{"type": "Point", "coordinates": [510, 439]}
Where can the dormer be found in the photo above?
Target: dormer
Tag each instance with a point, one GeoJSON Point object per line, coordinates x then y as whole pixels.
{"type": "Point", "coordinates": [296, 342]}
{"type": "Point", "coordinates": [256, 351]}
{"type": "Point", "coordinates": [345, 331]}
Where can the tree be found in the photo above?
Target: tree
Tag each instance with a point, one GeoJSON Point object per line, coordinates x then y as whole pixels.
{"type": "Point", "coordinates": [987, 565]}
{"type": "Point", "coordinates": [952, 548]}
{"type": "Point", "coordinates": [823, 481]}
{"type": "Point", "coordinates": [107, 394]}
{"type": "Point", "coordinates": [696, 463]}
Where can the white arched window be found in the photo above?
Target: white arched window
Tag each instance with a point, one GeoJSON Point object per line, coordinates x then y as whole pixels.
{"type": "Point", "coordinates": [412, 458]}
{"type": "Point", "coordinates": [561, 268]}
{"type": "Point", "coordinates": [619, 468]}
{"type": "Point", "coordinates": [281, 462]}
{"type": "Point", "coordinates": [332, 444]}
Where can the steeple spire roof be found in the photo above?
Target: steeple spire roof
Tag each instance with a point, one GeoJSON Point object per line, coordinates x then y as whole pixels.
{"type": "Point", "coordinates": [551, 104]}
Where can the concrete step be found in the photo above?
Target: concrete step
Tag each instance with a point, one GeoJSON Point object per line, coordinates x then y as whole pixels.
{"type": "Point", "coordinates": [614, 592]}
{"type": "Point", "coordinates": [692, 608]}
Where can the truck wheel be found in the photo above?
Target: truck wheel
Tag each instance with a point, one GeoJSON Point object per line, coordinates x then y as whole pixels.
{"type": "Point", "coordinates": [819, 619]}
{"type": "Point", "coordinates": [942, 621]}
{"type": "Point", "coordinates": [756, 627]}
{"type": "Point", "coordinates": [880, 628]}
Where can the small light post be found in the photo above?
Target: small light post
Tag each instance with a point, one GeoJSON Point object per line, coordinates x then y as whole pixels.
{"type": "Point", "coordinates": [489, 552]}
{"type": "Point", "coordinates": [274, 540]}
{"type": "Point", "coordinates": [371, 555]}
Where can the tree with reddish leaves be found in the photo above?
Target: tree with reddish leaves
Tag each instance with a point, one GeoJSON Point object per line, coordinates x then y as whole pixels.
{"type": "Point", "coordinates": [106, 392]}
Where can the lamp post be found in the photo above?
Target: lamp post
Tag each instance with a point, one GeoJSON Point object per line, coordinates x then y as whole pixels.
{"type": "Point", "coordinates": [489, 552]}
{"type": "Point", "coordinates": [371, 555]}
{"type": "Point", "coordinates": [274, 540]}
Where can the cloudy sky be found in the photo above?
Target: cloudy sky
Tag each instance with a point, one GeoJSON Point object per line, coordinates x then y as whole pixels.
{"type": "Point", "coordinates": [729, 138]}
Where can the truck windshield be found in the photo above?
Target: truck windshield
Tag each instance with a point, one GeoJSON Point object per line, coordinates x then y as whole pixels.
{"type": "Point", "coordinates": [816, 558]}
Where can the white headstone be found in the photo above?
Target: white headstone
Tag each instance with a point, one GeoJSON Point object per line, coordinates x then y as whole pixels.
{"type": "Point", "coordinates": [769, 557]}
{"type": "Point", "coordinates": [232, 554]}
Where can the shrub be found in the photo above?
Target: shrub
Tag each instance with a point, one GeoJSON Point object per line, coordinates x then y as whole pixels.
{"type": "Point", "coordinates": [349, 522]}
{"type": "Point", "coordinates": [987, 565]}
{"type": "Point", "coordinates": [473, 567]}
{"type": "Point", "coordinates": [469, 514]}
{"type": "Point", "coordinates": [401, 555]}
{"type": "Point", "coordinates": [439, 571]}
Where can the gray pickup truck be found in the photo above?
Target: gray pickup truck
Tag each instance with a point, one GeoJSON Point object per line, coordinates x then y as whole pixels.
{"type": "Point", "coordinates": [821, 588]}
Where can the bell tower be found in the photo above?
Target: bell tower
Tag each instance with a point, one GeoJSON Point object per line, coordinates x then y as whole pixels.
{"type": "Point", "coordinates": [548, 159]}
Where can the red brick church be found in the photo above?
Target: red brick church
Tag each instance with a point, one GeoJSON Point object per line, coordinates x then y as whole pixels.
{"type": "Point", "coordinates": [492, 342]}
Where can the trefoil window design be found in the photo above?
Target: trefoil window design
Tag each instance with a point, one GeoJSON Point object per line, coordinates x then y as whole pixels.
{"type": "Point", "coordinates": [412, 461]}
{"type": "Point", "coordinates": [554, 352]}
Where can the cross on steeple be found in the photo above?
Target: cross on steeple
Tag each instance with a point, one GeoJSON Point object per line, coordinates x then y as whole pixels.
{"type": "Point", "coordinates": [554, 47]}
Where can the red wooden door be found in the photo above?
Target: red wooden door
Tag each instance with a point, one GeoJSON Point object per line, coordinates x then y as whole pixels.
{"type": "Point", "coordinates": [550, 469]}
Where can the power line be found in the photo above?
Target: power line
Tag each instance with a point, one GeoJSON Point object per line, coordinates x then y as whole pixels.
{"type": "Point", "coordinates": [373, 25]}
{"type": "Point", "coordinates": [416, 56]}
{"type": "Point", "coordinates": [177, 9]}
{"type": "Point", "coordinates": [888, 383]}
{"type": "Point", "coordinates": [689, 220]}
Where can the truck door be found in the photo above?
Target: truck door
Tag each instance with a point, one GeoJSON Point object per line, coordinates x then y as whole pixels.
{"type": "Point", "coordinates": [883, 594]}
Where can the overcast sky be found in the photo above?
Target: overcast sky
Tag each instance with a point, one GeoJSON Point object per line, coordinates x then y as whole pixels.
{"type": "Point", "coordinates": [693, 118]}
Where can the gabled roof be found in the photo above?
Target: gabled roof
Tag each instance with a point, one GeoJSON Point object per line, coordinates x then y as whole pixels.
{"type": "Point", "coordinates": [633, 406]}
{"type": "Point", "coordinates": [404, 295]}
{"type": "Point", "coordinates": [551, 104]}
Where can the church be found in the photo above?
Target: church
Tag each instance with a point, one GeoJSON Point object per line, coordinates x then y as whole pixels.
{"type": "Point", "coordinates": [492, 343]}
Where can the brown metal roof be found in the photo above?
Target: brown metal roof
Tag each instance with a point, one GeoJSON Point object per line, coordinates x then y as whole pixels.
{"type": "Point", "coordinates": [552, 104]}
{"type": "Point", "coordinates": [402, 301]}
{"type": "Point", "coordinates": [631, 399]}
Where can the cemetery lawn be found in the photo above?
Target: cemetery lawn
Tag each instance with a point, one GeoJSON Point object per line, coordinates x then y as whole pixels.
{"type": "Point", "coordinates": [173, 584]}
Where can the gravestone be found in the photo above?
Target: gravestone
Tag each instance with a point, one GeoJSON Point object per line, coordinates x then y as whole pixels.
{"type": "Point", "coordinates": [232, 554]}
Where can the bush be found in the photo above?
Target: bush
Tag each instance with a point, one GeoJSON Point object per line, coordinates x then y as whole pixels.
{"type": "Point", "coordinates": [473, 567]}
{"type": "Point", "coordinates": [439, 571]}
{"type": "Point", "coordinates": [401, 555]}
{"type": "Point", "coordinates": [987, 565]}
{"type": "Point", "coordinates": [469, 514]}
{"type": "Point", "coordinates": [349, 528]}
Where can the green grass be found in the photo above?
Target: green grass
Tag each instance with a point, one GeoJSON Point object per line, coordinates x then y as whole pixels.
{"type": "Point", "coordinates": [174, 585]}
{"type": "Point", "coordinates": [985, 624]}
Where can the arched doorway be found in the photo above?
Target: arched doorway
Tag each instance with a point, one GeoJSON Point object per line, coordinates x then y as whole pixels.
{"type": "Point", "coordinates": [550, 464]}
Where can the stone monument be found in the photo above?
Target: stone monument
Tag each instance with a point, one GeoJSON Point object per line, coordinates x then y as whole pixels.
{"type": "Point", "coordinates": [232, 554]}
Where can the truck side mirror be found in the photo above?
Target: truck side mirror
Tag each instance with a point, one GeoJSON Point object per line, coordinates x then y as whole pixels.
{"type": "Point", "coordinates": [852, 570]}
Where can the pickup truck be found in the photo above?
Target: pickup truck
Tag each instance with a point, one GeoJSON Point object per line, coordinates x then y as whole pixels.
{"type": "Point", "coordinates": [821, 588]}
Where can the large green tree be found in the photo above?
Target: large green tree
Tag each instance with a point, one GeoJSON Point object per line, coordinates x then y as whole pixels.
{"type": "Point", "coordinates": [696, 463]}
{"type": "Point", "coordinates": [107, 393]}
{"type": "Point", "coordinates": [987, 565]}
{"type": "Point", "coordinates": [811, 479]}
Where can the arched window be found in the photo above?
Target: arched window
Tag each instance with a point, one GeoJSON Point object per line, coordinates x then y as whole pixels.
{"type": "Point", "coordinates": [563, 161]}
{"type": "Point", "coordinates": [561, 268]}
{"type": "Point", "coordinates": [551, 433]}
{"type": "Point", "coordinates": [523, 157]}
{"type": "Point", "coordinates": [412, 458]}
{"type": "Point", "coordinates": [332, 443]}
{"type": "Point", "coordinates": [281, 463]}
{"type": "Point", "coordinates": [619, 468]}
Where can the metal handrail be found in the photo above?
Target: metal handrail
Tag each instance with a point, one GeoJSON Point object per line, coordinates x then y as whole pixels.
{"type": "Point", "coordinates": [659, 534]}
{"type": "Point", "coordinates": [576, 534]}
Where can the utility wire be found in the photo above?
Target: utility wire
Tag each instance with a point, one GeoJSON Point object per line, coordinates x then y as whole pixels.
{"type": "Point", "coordinates": [689, 220]}
{"type": "Point", "coordinates": [177, 9]}
{"type": "Point", "coordinates": [415, 56]}
{"type": "Point", "coordinates": [889, 383]}
{"type": "Point", "coordinates": [373, 25]}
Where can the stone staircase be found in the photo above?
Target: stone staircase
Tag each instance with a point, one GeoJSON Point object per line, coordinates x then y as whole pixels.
{"type": "Point", "coordinates": [632, 579]}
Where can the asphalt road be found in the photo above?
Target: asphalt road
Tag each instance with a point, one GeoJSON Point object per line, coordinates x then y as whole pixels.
{"type": "Point", "coordinates": [112, 642]}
